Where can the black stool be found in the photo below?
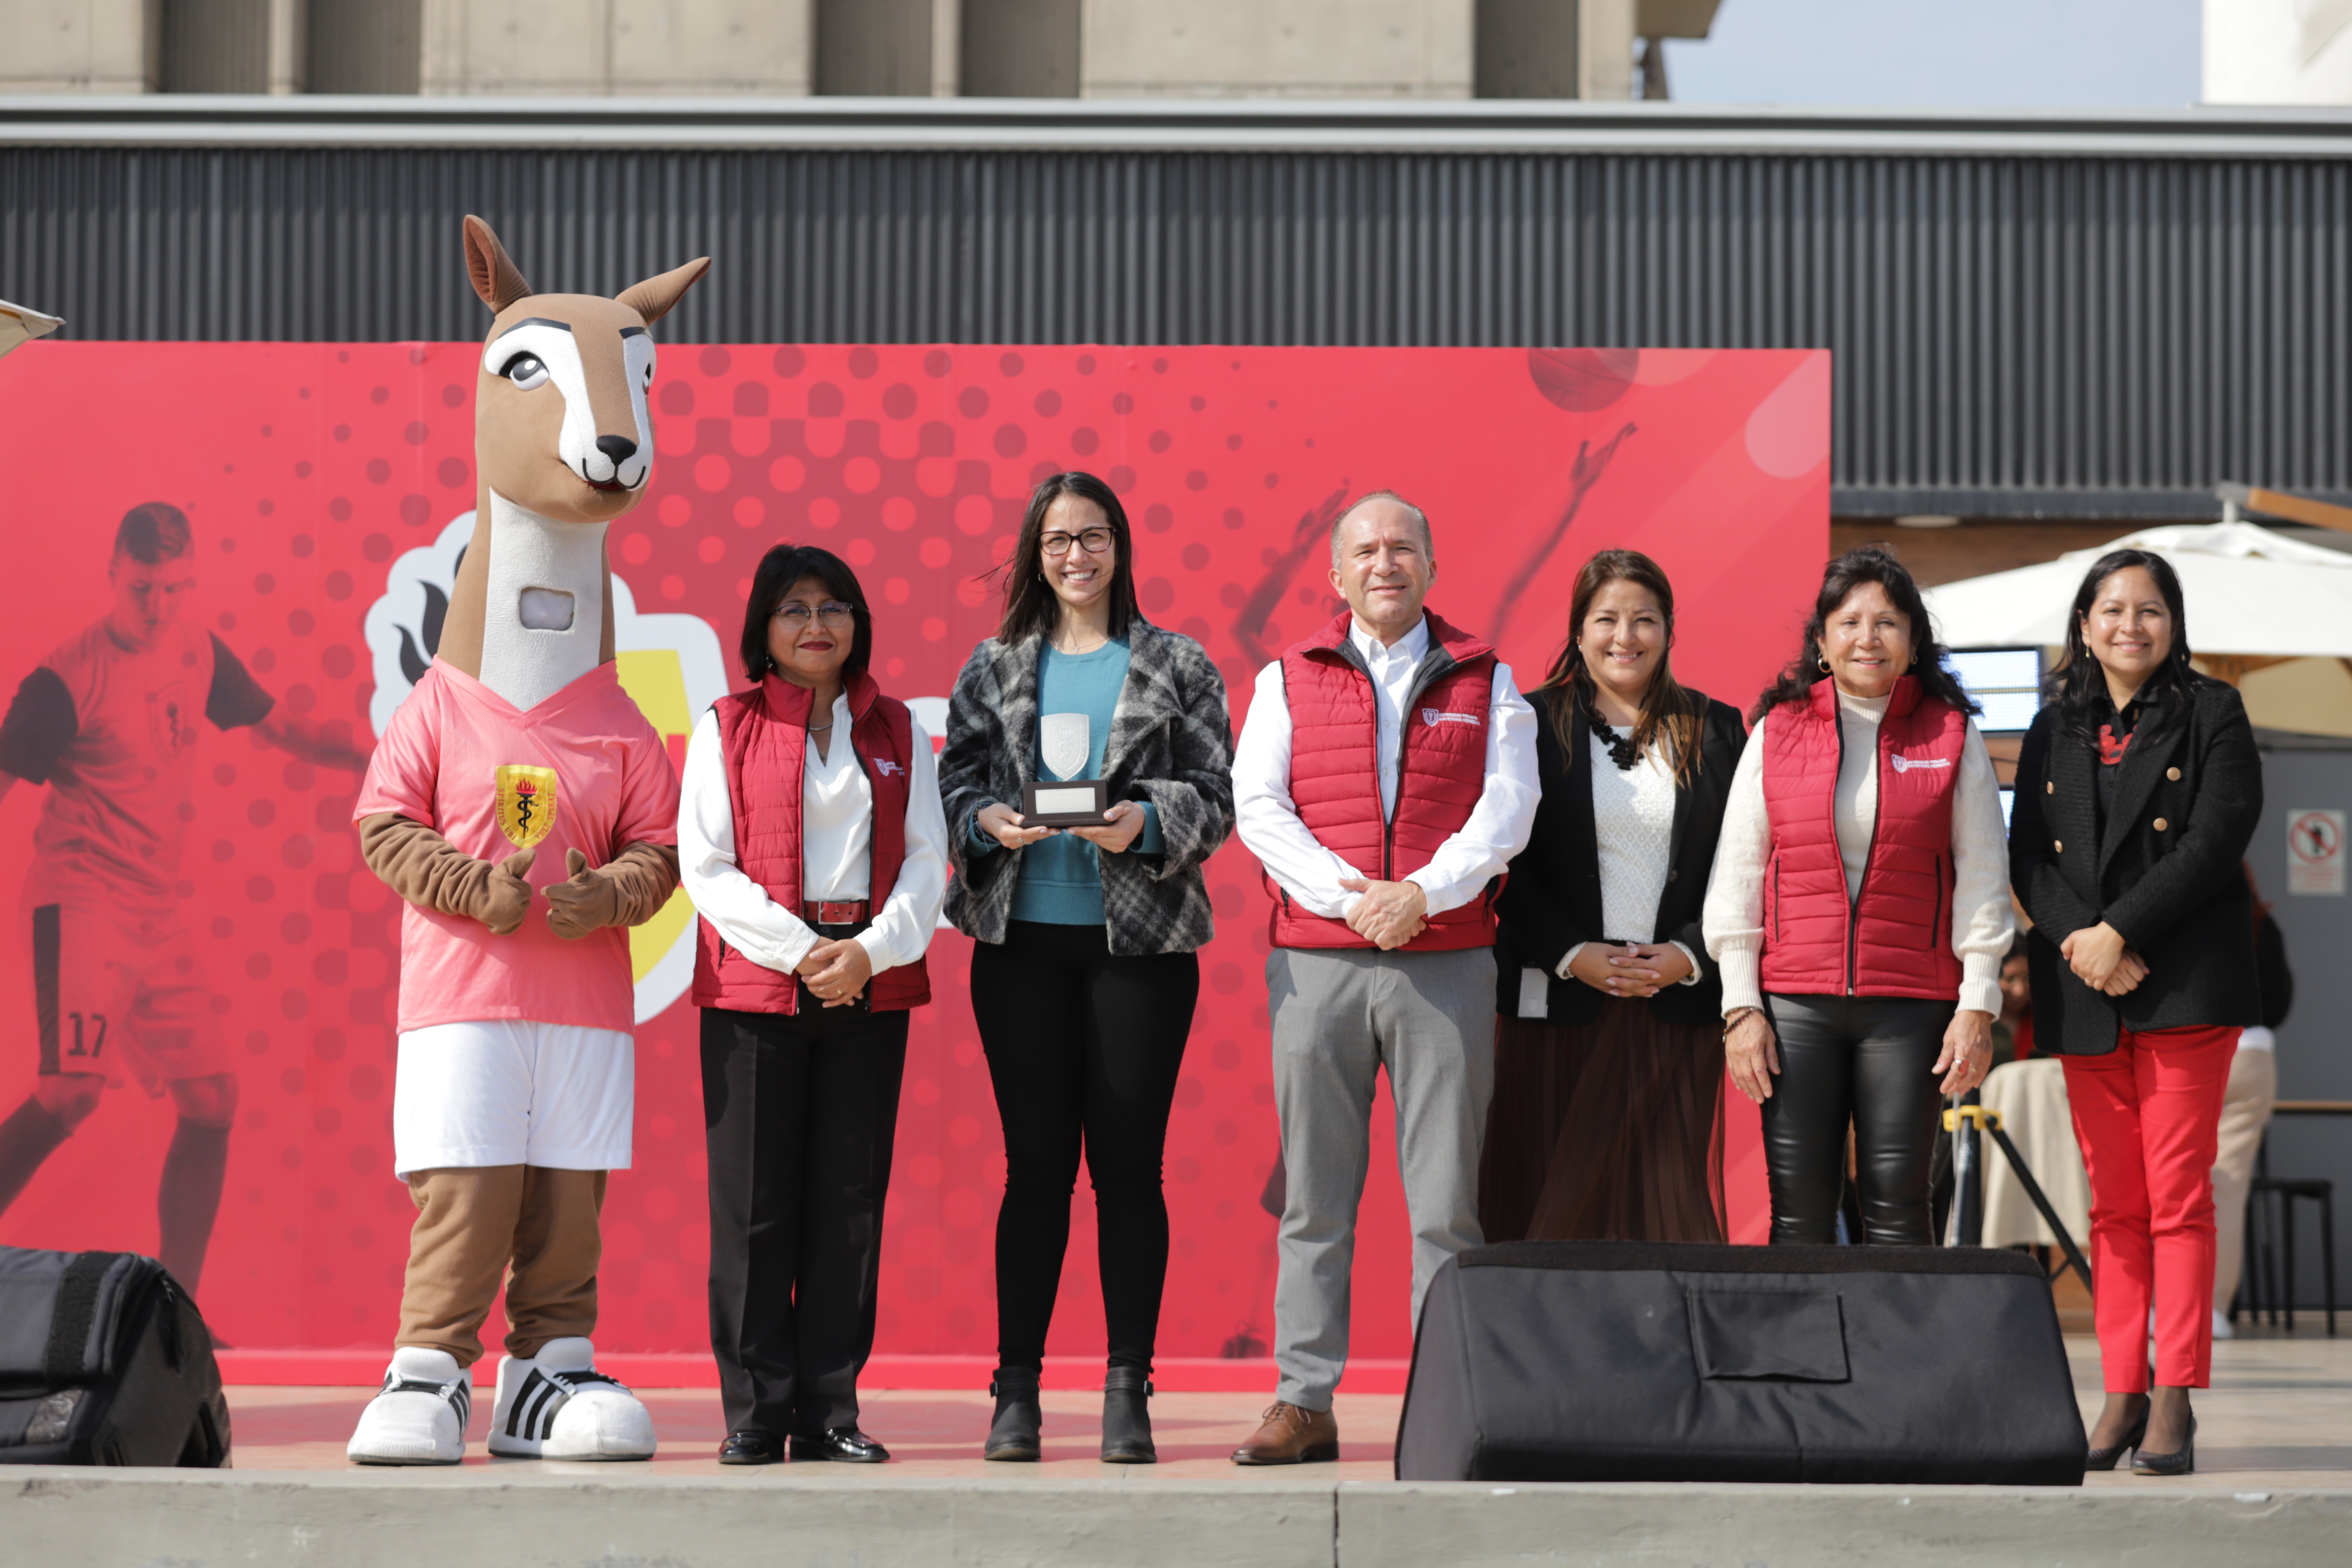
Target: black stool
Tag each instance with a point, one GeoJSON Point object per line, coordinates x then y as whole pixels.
{"type": "Point", "coordinates": [2260, 1285]}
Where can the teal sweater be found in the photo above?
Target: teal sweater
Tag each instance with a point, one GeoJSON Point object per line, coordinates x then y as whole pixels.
{"type": "Point", "coordinates": [1061, 876]}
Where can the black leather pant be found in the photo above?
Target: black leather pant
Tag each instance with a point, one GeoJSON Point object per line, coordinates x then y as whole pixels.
{"type": "Point", "coordinates": [1861, 1061]}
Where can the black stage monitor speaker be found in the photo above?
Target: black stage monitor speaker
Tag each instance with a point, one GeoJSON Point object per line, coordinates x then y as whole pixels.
{"type": "Point", "coordinates": [104, 1360]}
{"type": "Point", "coordinates": [1596, 1361]}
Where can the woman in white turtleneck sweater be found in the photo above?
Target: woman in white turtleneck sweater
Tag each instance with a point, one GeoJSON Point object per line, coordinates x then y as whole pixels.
{"type": "Point", "coordinates": [1858, 907]}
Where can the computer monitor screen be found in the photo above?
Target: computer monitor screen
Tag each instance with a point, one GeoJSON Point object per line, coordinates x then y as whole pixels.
{"type": "Point", "coordinates": [2005, 681]}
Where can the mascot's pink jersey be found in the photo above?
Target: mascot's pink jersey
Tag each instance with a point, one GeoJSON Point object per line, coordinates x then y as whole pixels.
{"type": "Point", "coordinates": [439, 764]}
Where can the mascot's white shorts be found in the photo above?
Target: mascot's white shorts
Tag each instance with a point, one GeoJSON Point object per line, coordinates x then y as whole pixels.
{"type": "Point", "coordinates": [511, 1092]}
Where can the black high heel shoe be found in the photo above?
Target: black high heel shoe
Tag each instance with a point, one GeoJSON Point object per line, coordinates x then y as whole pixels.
{"type": "Point", "coordinates": [2104, 1458]}
{"type": "Point", "coordinates": [2176, 1464]}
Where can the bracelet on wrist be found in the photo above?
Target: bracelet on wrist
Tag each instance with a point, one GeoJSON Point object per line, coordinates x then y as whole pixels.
{"type": "Point", "coordinates": [1731, 1019]}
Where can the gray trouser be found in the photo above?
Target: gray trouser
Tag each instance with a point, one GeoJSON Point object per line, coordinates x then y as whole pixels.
{"type": "Point", "coordinates": [1339, 1017]}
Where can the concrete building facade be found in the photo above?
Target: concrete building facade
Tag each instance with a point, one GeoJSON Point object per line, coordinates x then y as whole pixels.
{"type": "Point", "coordinates": [1023, 48]}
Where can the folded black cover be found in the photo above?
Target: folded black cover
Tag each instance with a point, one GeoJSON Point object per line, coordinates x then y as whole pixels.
{"type": "Point", "coordinates": [1648, 1362]}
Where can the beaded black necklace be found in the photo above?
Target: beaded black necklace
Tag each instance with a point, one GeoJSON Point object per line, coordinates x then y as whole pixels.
{"type": "Point", "coordinates": [1621, 750]}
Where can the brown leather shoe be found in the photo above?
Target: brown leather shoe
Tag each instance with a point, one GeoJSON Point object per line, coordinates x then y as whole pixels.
{"type": "Point", "coordinates": [1291, 1437]}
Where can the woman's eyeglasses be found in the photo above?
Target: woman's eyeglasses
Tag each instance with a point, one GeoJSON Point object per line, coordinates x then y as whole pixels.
{"type": "Point", "coordinates": [1094, 542]}
{"type": "Point", "coordinates": [831, 612]}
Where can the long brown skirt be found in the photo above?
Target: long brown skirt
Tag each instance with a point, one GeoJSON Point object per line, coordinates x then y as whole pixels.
{"type": "Point", "coordinates": [1610, 1130]}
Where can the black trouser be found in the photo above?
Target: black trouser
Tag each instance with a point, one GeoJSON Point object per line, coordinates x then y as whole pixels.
{"type": "Point", "coordinates": [799, 1111]}
{"type": "Point", "coordinates": [1083, 1048]}
{"type": "Point", "coordinates": [1858, 1061]}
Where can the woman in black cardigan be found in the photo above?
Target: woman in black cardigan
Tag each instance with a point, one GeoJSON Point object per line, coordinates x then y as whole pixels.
{"type": "Point", "coordinates": [2137, 791]}
{"type": "Point", "coordinates": [1606, 1122]}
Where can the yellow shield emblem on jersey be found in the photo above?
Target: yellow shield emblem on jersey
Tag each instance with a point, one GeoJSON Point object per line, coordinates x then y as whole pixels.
{"type": "Point", "coordinates": [526, 803]}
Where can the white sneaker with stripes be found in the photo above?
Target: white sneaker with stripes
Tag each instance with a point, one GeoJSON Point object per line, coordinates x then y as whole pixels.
{"type": "Point", "coordinates": [419, 1417]}
{"type": "Point", "coordinates": [557, 1405]}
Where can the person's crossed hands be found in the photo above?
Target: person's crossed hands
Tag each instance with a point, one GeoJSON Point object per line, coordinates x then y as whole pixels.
{"type": "Point", "coordinates": [1389, 914]}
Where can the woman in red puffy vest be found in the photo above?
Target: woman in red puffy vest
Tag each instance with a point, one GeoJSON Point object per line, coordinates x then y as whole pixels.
{"type": "Point", "coordinates": [811, 841]}
{"type": "Point", "coordinates": [1858, 907]}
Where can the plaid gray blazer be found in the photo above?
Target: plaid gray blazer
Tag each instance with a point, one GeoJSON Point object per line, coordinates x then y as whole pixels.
{"type": "Point", "coordinates": [1171, 743]}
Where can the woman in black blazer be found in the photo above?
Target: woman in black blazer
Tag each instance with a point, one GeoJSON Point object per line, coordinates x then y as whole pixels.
{"type": "Point", "coordinates": [2137, 791]}
{"type": "Point", "coordinates": [1606, 1122]}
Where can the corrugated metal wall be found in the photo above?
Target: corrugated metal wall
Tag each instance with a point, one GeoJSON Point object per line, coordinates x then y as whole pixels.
{"type": "Point", "coordinates": [2016, 334]}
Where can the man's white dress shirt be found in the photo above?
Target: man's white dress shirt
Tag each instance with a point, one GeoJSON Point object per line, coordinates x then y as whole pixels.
{"type": "Point", "coordinates": [1267, 819]}
{"type": "Point", "coordinates": [837, 852]}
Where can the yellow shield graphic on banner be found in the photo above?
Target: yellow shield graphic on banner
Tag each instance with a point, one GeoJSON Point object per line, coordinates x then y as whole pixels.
{"type": "Point", "coordinates": [526, 803]}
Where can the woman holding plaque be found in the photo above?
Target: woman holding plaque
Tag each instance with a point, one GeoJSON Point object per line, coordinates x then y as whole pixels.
{"type": "Point", "coordinates": [1606, 1123]}
{"type": "Point", "coordinates": [810, 839]}
{"type": "Point", "coordinates": [1084, 978]}
{"type": "Point", "coordinates": [2139, 788]}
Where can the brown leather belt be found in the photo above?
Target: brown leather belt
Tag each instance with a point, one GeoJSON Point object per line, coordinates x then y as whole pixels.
{"type": "Point", "coordinates": [847, 912]}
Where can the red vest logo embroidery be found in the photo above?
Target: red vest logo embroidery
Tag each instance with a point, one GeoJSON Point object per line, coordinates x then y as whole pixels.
{"type": "Point", "coordinates": [1434, 717]}
{"type": "Point", "coordinates": [886, 767]}
{"type": "Point", "coordinates": [1904, 764]}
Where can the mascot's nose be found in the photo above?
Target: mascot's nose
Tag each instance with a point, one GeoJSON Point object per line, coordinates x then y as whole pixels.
{"type": "Point", "coordinates": [619, 449]}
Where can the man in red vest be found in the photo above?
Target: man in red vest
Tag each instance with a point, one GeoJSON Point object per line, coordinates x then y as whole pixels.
{"type": "Point", "coordinates": [1385, 776]}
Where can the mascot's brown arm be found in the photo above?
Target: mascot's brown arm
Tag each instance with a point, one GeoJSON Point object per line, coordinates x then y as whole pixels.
{"type": "Point", "coordinates": [434, 874]}
{"type": "Point", "coordinates": [626, 891]}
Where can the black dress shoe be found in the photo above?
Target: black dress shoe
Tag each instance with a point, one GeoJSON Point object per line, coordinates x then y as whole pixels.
{"type": "Point", "coordinates": [2104, 1458]}
{"type": "Point", "coordinates": [2181, 1463]}
{"type": "Point", "coordinates": [750, 1446]}
{"type": "Point", "coordinates": [843, 1446]}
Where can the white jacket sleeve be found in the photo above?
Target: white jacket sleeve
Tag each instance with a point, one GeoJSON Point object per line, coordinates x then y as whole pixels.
{"type": "Point", "coordinates": [1267, 818]}
{"type": "Point", "coordinates": [1503, 819]}
{"type": "Point", "coordinates": [738, 908]}
{"type": "Point", "coordinates": [1984, 922]}
{"type": "Point", "coordinates": [903, 925]}
{"type": "Point", "coordinates": [1733, 915]}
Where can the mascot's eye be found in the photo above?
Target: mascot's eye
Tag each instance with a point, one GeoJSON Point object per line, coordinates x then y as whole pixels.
{"type": "Point", "coordinates": [526, 370]}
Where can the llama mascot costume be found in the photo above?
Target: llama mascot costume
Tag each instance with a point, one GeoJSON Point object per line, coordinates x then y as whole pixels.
{"type": "Point", "coordinates": [528, 813]}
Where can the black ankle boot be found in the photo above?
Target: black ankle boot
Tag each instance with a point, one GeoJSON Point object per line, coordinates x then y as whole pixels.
{"type": "Point", "coordinates": [1126, 1421]}
{"type": "Point", "coordinates": [1013, 1434]}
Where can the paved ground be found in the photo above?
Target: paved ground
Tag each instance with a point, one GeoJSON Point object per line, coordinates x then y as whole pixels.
{"type": "Point", "coordinates": [2279, 1415]}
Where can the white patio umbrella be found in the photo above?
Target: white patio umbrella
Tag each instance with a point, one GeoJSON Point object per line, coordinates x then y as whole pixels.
{"type": "Point", "coordinates": [20, 324]}
{"type": "Point", "coordinates": [2251, 595]}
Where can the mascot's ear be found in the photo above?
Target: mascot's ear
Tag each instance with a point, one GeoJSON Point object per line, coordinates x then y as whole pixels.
{"type": "Point", "coordinates": [497, 279]}
{"type": "Point", "coordinates": [652, 298]}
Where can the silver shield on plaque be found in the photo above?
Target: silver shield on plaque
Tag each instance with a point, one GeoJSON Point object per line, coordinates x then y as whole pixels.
{"type": "Point", "coordinates": [1064, 740]}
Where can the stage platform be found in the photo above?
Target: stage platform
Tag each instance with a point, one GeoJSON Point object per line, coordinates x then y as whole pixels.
{"type": "Point", "coordinates": [2274, 1486]}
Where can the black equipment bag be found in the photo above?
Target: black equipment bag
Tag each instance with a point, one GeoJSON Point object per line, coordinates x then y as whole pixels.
{"type": "Point", "coordinates": [104, 1360]}
{"type": "Point", "coordinates": [1596, 1361]}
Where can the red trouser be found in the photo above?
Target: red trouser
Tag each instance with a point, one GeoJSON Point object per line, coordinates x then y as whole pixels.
{"type": "Point", "coordinates": [2148, 1116]}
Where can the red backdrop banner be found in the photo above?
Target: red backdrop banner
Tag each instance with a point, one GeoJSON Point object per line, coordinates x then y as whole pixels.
{"type": "Point", "coordinates": [330, 487]}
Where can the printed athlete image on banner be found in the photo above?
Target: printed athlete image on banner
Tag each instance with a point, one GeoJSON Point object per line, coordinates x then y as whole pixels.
{"type": "Point", "coordinates": [113, 720]}
{"type": "Point", "coordinates": [334, 495]}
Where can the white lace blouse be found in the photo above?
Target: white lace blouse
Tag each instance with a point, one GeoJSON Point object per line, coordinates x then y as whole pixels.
{"type": "Point", "coordinates": [1633, 825]}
